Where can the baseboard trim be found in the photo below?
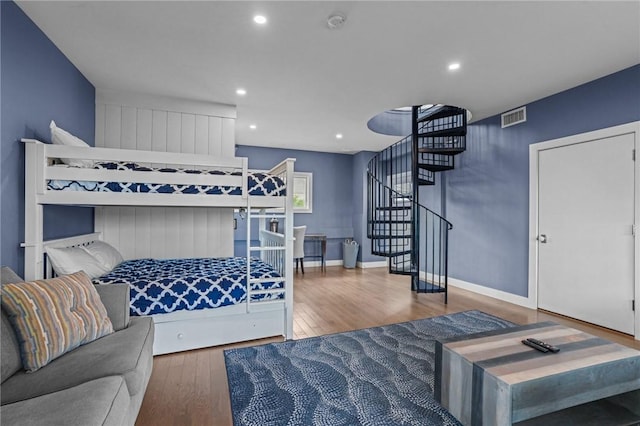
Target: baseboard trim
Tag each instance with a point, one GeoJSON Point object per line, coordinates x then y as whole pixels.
{"type": "Point", "coordinates": [314, 263]}
{"type": "Point", "coordinates": [376, 264]}
{"type": "Point", "coordinates": [340, 262]}
{"type": "Point", "coordinates": [491, 292]}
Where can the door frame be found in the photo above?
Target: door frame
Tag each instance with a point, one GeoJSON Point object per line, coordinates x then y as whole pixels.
{"type": "Point", "coordinates": [534, 150]}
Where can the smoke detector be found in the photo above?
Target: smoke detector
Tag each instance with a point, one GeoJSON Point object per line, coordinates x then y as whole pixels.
{"type": "Point", "coordinates": [336, 21]}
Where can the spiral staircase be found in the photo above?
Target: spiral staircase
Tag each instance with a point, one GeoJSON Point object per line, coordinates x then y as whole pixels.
{"type": "Point", "coordinates": [413, 237]}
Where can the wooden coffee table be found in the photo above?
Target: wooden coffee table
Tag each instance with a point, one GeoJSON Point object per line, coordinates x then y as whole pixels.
{"type": "Point", "coordinates": [493, 379]}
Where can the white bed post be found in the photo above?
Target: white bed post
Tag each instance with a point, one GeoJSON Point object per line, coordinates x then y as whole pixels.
{"type": "Point", "coordinates": [288, 238]}
{"type": "Point", "coordinates": [262, 225]}
{"type": "Point", "coordinates": [33, 185]}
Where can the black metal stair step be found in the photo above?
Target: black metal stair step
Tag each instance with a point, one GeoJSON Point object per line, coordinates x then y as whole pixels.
{"type": "Point", "coordinates": [390, 237]}
{"type": "Point", "coordinates": [443, 112]}
{"type": "Point", "coordinates": [428, 287]}
{"type": "Point", "coordinates": [425, 182]}
{"type": "Point", "coordinates": [399, 253]}
{"type": "Point", "coordinates": [385, 253]}
{"type": "Point", "coordinates": [399, 272]}
{"type": "Point", "coordinates": [441, 151]}
{"type": "Point", "coordinates": [435, 167]}
{"type": "Point", "coordinates": [456, 131]}
{"type": "Point", "coordinates": [393, 208]}
{"type": "Point", "coordinates": [392, 221]}
{"type": "Point", "coordinates": [400, 269]}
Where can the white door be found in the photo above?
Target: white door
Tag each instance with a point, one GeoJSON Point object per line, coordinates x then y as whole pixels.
{"type": "Point", "coordinates": [585, 241]}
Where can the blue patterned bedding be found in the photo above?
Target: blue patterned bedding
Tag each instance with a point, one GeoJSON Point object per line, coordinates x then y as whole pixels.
{"type": "Point", "coordinates": [168, 285]}
{"type": "Point", "coordinates": [258, 183]}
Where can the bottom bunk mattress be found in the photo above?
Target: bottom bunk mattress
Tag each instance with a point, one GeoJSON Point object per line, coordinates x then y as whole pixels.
{"type": "Point", "coordinates": [167, 285]}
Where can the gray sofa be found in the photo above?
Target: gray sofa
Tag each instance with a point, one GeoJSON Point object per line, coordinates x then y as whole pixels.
{"type": "Point", "coordinates": [100, 383]}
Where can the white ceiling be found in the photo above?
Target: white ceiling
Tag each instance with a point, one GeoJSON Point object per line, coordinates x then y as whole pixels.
{"type": "Point", "coordinates": [305, 82]}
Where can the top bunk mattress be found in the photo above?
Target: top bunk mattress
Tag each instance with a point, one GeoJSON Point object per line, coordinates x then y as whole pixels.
{"type": "Point", "coordinates": [258, 183]}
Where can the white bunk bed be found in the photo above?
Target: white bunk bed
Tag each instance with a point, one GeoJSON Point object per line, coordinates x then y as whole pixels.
{"type": "Point", "coordinates": [187, 329]}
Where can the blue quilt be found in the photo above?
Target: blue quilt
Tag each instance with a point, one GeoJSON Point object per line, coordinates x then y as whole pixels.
{"type": "Point", "coordinates": [168, 285]}
{"type": "Point", "coordinates": [258, 183]}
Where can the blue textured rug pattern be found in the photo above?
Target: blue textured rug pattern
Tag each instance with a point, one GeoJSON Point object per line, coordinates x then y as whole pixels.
{"type": "Point", "coordinates": [374, 376]}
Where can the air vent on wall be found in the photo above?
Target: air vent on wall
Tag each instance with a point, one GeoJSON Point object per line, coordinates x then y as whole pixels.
{"type": "Point", "coordinates": [514, 117]}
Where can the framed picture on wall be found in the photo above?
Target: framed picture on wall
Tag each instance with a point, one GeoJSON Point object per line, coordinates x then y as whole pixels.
{"type": "Point", "coordinates": [302, 192]}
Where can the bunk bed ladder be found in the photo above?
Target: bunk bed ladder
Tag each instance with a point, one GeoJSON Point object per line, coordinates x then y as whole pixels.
{"type": "Point", "coordinates": [272, 250]}
{"type": "Point", "coordinates": [413, 237]}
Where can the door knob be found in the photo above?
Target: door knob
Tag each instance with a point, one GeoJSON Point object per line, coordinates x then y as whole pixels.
{"type": "Point", "coordinates": [542, 238]}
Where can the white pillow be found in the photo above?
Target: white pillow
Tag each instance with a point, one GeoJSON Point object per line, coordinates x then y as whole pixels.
{"type": "Point", "coordinates": [73, 259]}
{"type": "Point", "coordinates": [62, 137]}
{"type": "Point", "coordinates": [104, 253]}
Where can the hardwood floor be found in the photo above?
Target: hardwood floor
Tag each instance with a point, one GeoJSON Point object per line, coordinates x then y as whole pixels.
{"type": "Point", "coordinates": [190, 388]}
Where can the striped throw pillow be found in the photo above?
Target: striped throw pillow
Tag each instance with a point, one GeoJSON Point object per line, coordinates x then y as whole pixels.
{"type": "Point", "coordinates": [51, 317]}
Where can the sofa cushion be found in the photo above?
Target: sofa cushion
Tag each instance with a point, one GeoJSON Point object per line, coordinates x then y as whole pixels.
{"type": "Point", "coordinates": [51, 317]}
{"type": "Point", "coordinates": [103, 401]}
{"type": "Point", "coordinates": [10, 358]}
{"type": "Point", "coordinates": [115, 298]}
{"type": "Point", "coordinates": [128, 352]}
{"type": "Point", "coordinates": [8, 276]}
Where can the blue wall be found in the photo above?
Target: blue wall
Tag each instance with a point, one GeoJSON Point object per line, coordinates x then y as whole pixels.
{"type": "Point", "coordinates": [38, 84]}
{"type": "Point", "coordinates": [487, 195]}
{"type": "Point", "coordinates": [332, 194]}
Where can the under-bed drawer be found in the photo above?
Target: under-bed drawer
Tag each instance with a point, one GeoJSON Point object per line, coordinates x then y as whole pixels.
{"type": "Point", "coordinates": [175, 336]}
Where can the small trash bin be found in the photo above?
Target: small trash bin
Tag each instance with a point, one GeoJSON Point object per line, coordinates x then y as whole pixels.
{"type": "Point", "coordinates": [349, 253]}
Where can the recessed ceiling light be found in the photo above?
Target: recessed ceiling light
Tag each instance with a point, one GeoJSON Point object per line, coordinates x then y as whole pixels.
{"type": "Point", "coordinates": [253, 126]}
{"type": "Point", "coordinates": [259, 19]}
{"type": "Point", "coordinates": [338, 135]}
{"type": "Point", "coordinates": [454, 66]}
{"type": "Point", "coordinates": [241, 92]}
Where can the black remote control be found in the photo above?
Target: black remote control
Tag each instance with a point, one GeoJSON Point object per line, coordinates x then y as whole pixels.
{"type": "Point", "coordinates": [549, 347]}
{"type": "Point", "coordinates": [534, 346]}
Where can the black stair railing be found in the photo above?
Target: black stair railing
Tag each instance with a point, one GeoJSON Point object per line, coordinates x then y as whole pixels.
{"type": "Point", "coordinates": [420, 251]}
{"type": "Point", "coordinates": [413, 237]}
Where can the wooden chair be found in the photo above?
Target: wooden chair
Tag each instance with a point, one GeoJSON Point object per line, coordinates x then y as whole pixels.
{"type": "Point", "coordinates": [298, 245]}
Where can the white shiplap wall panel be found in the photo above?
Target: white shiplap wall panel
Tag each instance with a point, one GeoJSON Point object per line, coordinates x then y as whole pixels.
{"type": "Point", "coordinates": [127, 226]}
{"type": "Point", "coordinates": [188, 139]}
{"type": "Point", "coordinates": [172, 232]}
{"type": "Point", "coordinates": [158, 240]}
{"type": "Point", "coordinates": [129, 128]}
{"type": "Point", "coordinates": [142, 232]}
{"type": "Point", "coordinates": [228, 140]}
{"type": "Point", "coordinates": [159, 131]}
{"type": "Point", "coordinates": [165, 232]}
{"type": "Point", "coordinates": [187, 231]}
{"type": "Point", "coordinates": [225, 227]}
{"type": "Point", "coordinates": [100, 124]}
{"type": "Point", "coordinates": [200, 232]}
{"type": "Point", "coordinates": [214, 230]}
{"type": "Point", "coordinates": [112, 125]}
{"type": "Point", "coordinates": [202, 135]}
{"type": "Point", "coordinates": [144, 129]}
{"type": "Point", "coordinates": [174, 132]}
{"type": "Point", "coordinates": [215, 136]}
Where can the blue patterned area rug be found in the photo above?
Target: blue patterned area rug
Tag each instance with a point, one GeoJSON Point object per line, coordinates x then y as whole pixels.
{"type": "Point", "coordinates": [374, 376]}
